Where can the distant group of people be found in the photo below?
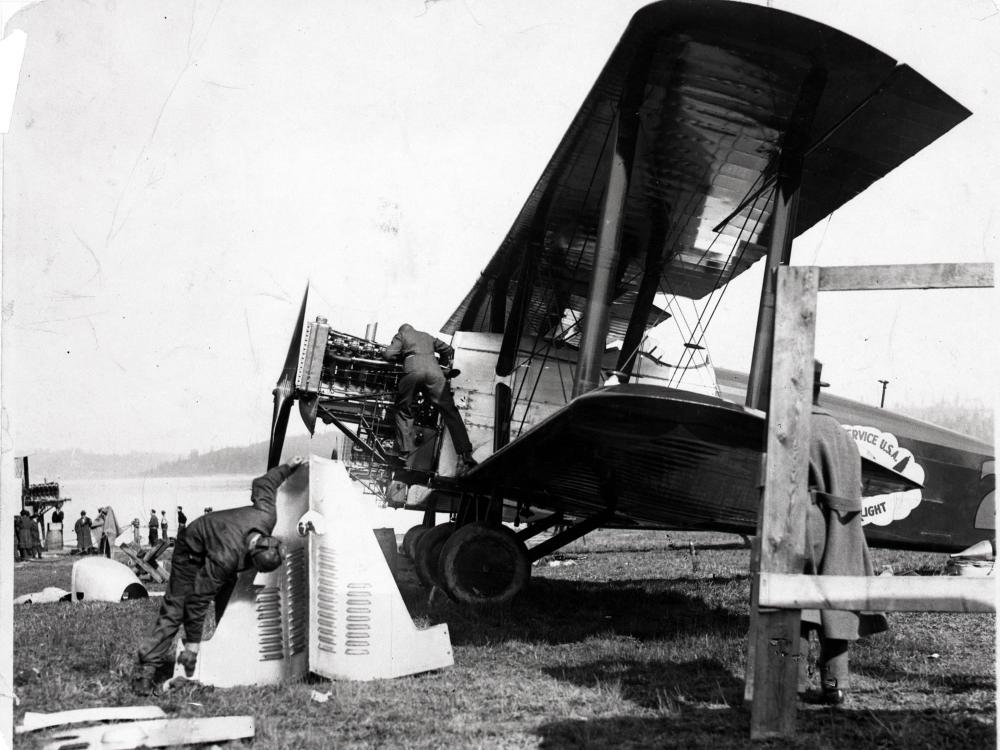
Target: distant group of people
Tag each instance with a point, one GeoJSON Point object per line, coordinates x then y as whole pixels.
{"type": "Point", "coordinates": [28, 532]}
{"type": "Point", "coordinates": [93, 536]}
{"type": "Point", "coordinates": [159, 528]}
{"type": "Point", "coordinates": [27, 537]}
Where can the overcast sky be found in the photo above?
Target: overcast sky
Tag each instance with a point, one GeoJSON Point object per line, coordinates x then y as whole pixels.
{"type": "Point", "coordinates": [174, 173]}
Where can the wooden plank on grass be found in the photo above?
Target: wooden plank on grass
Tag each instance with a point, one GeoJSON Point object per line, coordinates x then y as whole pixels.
{"type": "Point", "coordinates": [782, 515]}
{"type": "Point", "coordinates": [878, 593]}
{"type": "Point", "coordinates": [33, 720]}
{"type": "Point", "coordinates": [154, 733]}
{"type": "Point", "coordinates": [915, 276]}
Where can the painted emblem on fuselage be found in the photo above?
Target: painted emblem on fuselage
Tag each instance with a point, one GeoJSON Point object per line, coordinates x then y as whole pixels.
{"type": "Point", "coordinates": [883, 449]}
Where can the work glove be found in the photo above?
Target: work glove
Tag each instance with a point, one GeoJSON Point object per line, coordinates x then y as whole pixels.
{"type": "Point", "coordinates": [188, 659]}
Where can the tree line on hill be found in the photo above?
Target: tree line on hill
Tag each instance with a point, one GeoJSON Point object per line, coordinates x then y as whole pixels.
{"type": "Point", "coordinates": [246, 459]}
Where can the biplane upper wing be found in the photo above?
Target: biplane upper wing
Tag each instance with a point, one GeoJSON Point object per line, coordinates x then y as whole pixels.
{"type": "Point", "coordinates": [722, 89]}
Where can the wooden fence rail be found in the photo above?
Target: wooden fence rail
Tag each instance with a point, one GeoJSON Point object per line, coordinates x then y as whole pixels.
{"type": "Point", "coordinates": [780, 592]}
{"type": "Point", "coordinates": [878, 593]}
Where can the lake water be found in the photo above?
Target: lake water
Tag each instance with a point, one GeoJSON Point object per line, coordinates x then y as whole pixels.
{"type": "Point", "coordinates": [135, 497]}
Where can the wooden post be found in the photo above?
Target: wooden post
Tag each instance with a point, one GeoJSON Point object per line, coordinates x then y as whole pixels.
{"type": "Point", "coordinates": [753, 626]}
{"type": "Point", "coordinates": [782, 515]}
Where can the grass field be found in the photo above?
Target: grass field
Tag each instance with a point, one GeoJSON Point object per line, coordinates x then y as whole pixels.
{"type": "Point", "coordinates": [625, 639]}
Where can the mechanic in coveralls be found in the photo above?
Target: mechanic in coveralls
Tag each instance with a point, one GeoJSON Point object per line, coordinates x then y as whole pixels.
{"type": "Point", "coordinates": [835, 545]}
{"type": "Point", "coordinates": [206, 560]}
{"type": "Point", "coordinates": [415, 350]}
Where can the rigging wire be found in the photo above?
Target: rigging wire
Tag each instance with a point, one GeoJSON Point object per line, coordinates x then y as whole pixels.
{"type": "Point", "coordinates": [721, 289]}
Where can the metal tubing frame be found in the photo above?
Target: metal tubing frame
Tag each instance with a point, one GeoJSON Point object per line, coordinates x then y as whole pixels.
{"type": "Point", "coordinates": [537, 527]}
{"type": "Point", "coordinates": [571, 534]}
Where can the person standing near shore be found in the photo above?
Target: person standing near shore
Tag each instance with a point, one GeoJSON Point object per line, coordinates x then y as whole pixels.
{"type": "Point", "coordinates": [36, 538]}
{"type": "Point", "coordinates": [163, 526]}
{"type": "Point", "coordinates": [24, 535]}
{"type": "Point", "coordinates": [109, 529]}
{"type": "Point", "coordinates": [82, 529]}
{"type": "Point", "coordinates": [181, 522]}
{"type": "Point", "coordinates": [57, 518]}
{"type": "Point", "coordinates": [154, 528]}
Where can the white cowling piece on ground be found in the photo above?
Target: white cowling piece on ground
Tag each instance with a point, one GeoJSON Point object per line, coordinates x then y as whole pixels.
{"type": "Point", "coordinates": [359, 627]}
{"type": "Point", "coordinates": [99, 579]}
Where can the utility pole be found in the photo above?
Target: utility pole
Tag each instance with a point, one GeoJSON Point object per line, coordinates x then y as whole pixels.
{"type": "Point", "coordinates": [884, 384]}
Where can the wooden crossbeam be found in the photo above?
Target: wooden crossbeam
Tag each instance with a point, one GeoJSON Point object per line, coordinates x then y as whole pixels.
{"type": "Point", "coordinates": [903, 276]}
{"type": "Point", "coordinates": [878, 593]}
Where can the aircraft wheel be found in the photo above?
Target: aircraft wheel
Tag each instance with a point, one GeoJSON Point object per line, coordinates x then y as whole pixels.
{"type": "Point", "coordinates": [410, 539]}
{"type": "Point", "coordinates": [427, 550]}
{"type": "Point", "coordinates": [484, 565]}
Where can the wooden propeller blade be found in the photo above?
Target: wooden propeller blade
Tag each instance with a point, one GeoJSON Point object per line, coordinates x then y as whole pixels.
{"type": "Point", "coordinates": [285, 388]}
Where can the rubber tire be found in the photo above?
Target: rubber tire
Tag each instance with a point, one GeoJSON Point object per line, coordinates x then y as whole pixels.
{"type": "Point", "coordinates": [484, 566]}
{"type": "Point", "coordinates": [410, 539]}
{"type": "Point", "coordinates": [427, 551]}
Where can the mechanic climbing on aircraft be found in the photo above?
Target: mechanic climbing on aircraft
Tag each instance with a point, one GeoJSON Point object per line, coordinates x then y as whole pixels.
{"type": "Point", "coordinates": [204, 567]}
{"type": "Point", "coordinates": [415, 350]}
{"type": "Point", "coordinates": [835, 545]}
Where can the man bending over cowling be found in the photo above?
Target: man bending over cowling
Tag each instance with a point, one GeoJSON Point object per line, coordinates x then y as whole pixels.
{"type": "Point", "coordinates": [207, 558]}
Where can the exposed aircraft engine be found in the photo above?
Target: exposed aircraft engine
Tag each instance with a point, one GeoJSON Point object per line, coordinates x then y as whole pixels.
{"type": "Point", "coordinates": [342, 380]}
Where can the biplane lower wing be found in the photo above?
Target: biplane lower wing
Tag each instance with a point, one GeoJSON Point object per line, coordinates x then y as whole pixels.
{"type": "Point", "coordinates": [653, 456]}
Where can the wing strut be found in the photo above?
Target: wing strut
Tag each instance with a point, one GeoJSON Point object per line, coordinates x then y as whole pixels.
{"type": "Point", "coordinates": [519, 310]}
{"type": "Point", "coordinates": [644, 298]}
{"type": "Point", "coordinates": [593, 339]}
{"type": "Point", "coordinates": [779, 251]}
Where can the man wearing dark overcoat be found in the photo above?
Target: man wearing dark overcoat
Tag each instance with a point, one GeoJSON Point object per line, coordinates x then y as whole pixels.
{"type": "Point", "coordinates": [835, 545]}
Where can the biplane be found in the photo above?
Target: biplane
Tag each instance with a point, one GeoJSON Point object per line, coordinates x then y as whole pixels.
{"type": "Point", "coordinates": [715, 134]}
